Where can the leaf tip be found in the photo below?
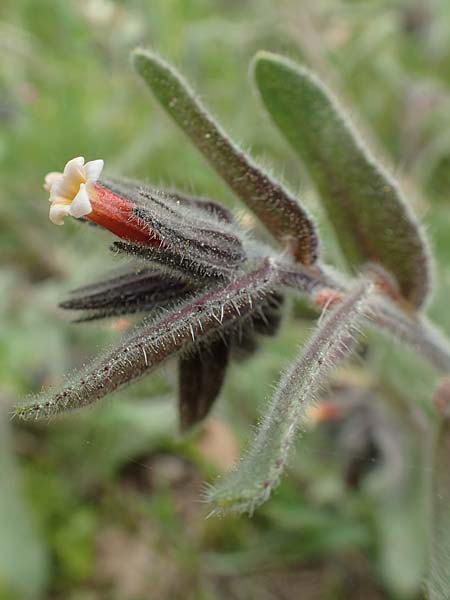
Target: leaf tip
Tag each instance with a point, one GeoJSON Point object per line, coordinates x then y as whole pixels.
{"type": "Point", "coordinates": [144, 60]}
{"type": "Point", "coordinates": [265, 56]}
{"type": "Point", "coordinates": [25, 412]}
{"type": "Point", "coordinates": [261, 60]}
{"type": "Point", "coordinates": [140, 57]}
{"type": "Point", "coordinates": [264, 60]}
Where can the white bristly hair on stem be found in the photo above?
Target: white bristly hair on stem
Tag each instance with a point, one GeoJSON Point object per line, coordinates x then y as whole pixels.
{"type": "Point", "coordinates": [259, 472]}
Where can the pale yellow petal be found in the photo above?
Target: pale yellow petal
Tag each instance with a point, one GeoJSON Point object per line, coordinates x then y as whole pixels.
{"type": "Point", "coordinates": [51, 178]}
{"type": "Point", "coordinates": [69, 190]}
{"type": "Point", "coordinates": [58, 212]}
{"type": "Point", "coordinates": [74, 165]}
{"type": "Point", "coordinates": [69, 184]}
{"type": "Point", "coordinates": [81, 204]}
{"type": "Point", "coordinates": [93, 169]}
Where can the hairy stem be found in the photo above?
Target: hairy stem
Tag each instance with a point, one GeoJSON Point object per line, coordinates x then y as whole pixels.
{"type": "Point", "coordinates": [411, 329]}
{"type": "Point", "coordinates": [260, 470]}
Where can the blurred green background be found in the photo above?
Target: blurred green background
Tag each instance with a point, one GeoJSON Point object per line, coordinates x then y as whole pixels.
{"type": "Point", "coordinates": [106, 503]}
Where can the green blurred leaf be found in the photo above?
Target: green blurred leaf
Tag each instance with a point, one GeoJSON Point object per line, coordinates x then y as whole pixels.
{"type": "Point", "coordinates": [397, 490]}
{"type": "Point", "coordinates": [364, 203]}
{"type": "Point", "coordinates": [24, 565]}
{"type": "Point", "coordinates": [401, 535]}
{"type": "Point", "coordinates": [74, 544]}
{"type": "Point", "coordinates": [128, 429]}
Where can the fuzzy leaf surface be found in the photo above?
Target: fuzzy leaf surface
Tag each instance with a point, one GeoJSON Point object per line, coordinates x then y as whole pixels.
{"type": "Point", "coordinates": [136, 291]}
{"type": "Point", "coordinates": [364, 203]}
{"type": "Point", "coordinates": [418, 333]}
{"type": "Point", "coordinates": [192, 322]}
{"type": "Point", "coordinates": [201, 374]}
{"type": "Point", "coordinates": [276, 208]}
{"type": "Point", "coordinates": [259, 472]}
{"type": "Point", "coordinates": [190, 232]}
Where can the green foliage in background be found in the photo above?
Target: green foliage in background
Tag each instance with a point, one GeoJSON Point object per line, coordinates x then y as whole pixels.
{"type": "Point", "coordinates": [105, 503]}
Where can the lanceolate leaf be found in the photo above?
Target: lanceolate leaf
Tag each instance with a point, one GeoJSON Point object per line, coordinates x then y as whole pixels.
{"type": "Point", "coordinates": [260, 470]}
{"type": "Point", "coordinates": [277, 209]}
{"type": "Point", "coordinates": [132, 292]}
{"type": "Point", "coordinates": [201, 375]}
{"type": "Point", "coordinates": [364, 203]}
{"type": "Point", "coordinates": [153, 343]}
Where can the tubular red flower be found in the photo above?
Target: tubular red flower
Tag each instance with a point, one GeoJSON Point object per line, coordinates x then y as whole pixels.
{"type": "Point", "coordinates": [116, 214]}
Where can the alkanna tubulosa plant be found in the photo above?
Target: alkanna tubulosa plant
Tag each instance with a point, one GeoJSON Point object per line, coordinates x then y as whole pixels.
{"type": "Point", "coordinates": [209, 289]}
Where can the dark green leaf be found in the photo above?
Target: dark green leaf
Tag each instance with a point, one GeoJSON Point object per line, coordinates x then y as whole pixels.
{"type": "Point", "coordinates": [370, 217]}
{"type": "Point", "coordinates": [277, 209]}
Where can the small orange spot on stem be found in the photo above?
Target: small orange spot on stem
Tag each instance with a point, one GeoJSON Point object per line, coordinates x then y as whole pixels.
{"type": "Point", "coordinates": [327, 298]}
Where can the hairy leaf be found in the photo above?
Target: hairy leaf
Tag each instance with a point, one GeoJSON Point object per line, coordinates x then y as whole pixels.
{"type": "Point", "coordinates": [201, 374]}
{"type": "Point", "coordinates": [136, 291]}
{"type": "Point", "coordinates": [260, 470]}
{"type": "Point", "coordinates": [276, 208]}
{"type": "Point", "coordinates": [369, 214]}
{"type": "Point", "coordinates": [153, 343]}
{"type": "Point", "coordinates": [175, 264]}
{"type": "Point", "coordinates": [416, 332]}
